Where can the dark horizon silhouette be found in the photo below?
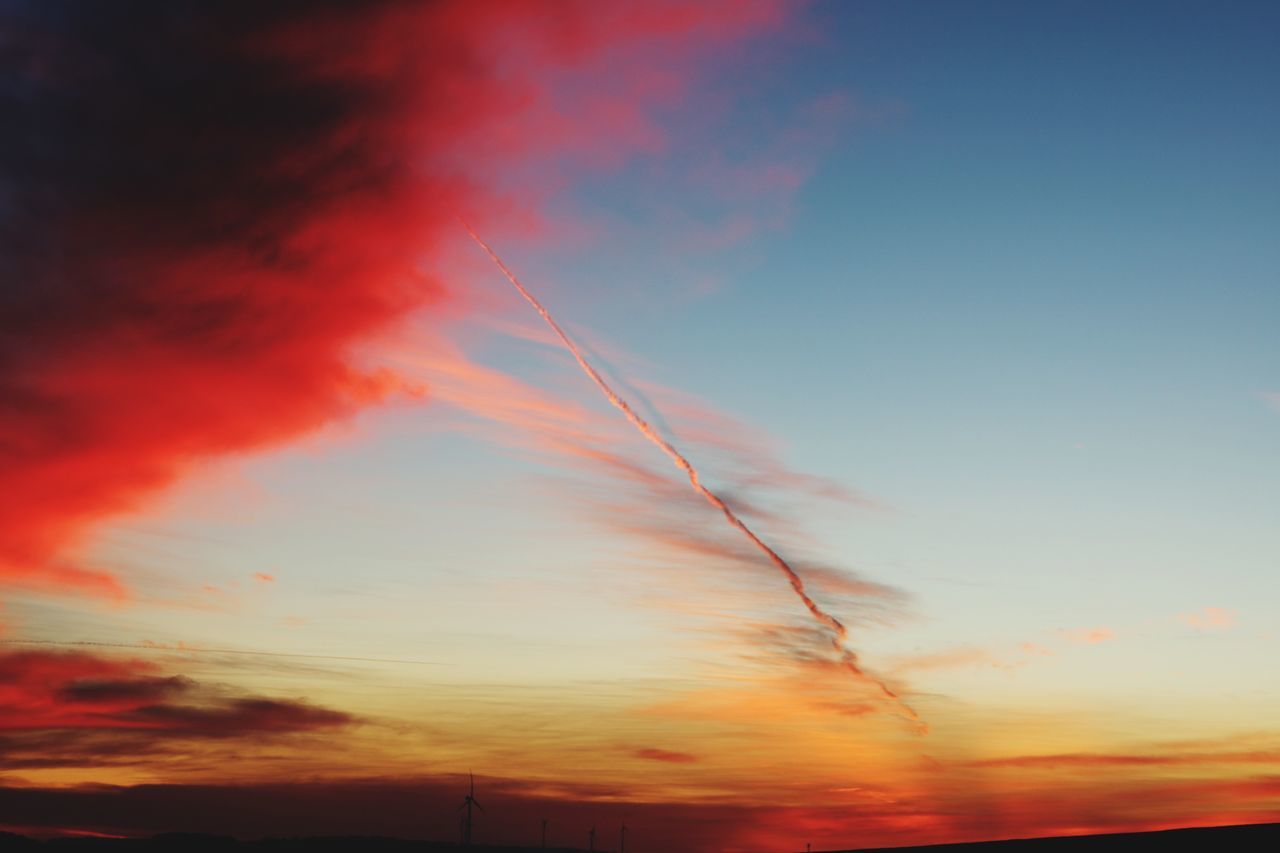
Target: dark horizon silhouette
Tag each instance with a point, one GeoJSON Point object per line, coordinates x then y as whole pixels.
{"type": "Point", "coordinates": [1246, 837]}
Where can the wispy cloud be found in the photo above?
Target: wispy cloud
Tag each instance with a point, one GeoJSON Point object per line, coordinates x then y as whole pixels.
{"type": "Point", "coordinates": [1210, 618]}
{"type": "Point", "coordinates": [669, 756]}
{"type": "Point", "coordinates": [624, 487]}
{"type": "Point", "coordinates": [1087, 636]}
{"type": "Point", "coordinates": [1095, 760]}
{"type": "Point", "coordinates": [953, 658]}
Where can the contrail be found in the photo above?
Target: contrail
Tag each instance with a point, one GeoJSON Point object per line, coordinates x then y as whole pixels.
{"type": "Point", "coordinates": [840, 634]}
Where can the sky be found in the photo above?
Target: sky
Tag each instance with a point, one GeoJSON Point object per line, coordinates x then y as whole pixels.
{"type": "Point", "coordinates": [966, 311]}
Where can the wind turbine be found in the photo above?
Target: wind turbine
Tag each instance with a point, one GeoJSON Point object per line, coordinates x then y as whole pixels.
{"type": "Point", "coordinates": [467, 802]}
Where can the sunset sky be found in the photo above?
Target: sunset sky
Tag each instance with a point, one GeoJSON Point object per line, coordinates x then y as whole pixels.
{"type": "Point", "coordinates": [968, 310]}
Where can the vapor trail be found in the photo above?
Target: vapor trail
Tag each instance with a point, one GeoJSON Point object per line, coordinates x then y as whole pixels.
{"type": "Point", "coordinates": [848, 659]}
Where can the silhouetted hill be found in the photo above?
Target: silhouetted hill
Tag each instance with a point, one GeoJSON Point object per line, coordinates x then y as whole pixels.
{"type": "Point", "coordinates": [1261, 836]}
{"type": "Point", "coordinates": [180, 842]}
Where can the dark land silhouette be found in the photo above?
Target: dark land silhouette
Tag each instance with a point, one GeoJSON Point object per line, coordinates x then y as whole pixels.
{"type": "Point", "coordinates": [1260, 836]}
{"type": "Point", "coordinates": [1233, 838]}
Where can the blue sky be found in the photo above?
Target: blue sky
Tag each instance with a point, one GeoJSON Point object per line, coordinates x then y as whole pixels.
{"type": "Point", "coordinates": [1023, 296]}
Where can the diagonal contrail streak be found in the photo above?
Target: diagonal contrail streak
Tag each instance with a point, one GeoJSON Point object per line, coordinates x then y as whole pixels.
{"type": "Point", "coordinates": [840, 634]}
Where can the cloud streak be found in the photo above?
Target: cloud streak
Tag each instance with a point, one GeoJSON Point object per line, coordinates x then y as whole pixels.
{"type": "Point", "coordinates": [848, 658]}
{"type": "Point", "coordinates": [1100, 761]}
{"type": "Point", "coordinates": [665, 755]}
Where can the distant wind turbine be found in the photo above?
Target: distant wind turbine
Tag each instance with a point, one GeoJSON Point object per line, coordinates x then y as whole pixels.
{"type": "Point", "coordinates": [467, 802]}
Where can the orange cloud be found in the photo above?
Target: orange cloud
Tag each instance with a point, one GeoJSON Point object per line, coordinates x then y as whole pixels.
{"type": "Point", "coordinates": [1210, 618]}
{"type": "Point", "coordinates": [1088, 760]}
{"type": "Point", "coordinates": [1089, 636]}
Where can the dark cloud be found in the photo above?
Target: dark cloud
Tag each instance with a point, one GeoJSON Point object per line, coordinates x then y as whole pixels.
{"type": "Point", "coordinates": [112, 691]}
{"type": "Point", "coordinates": [235, 718]}
{"type": "Point", "coordinates": [60, 709]}
{"type": "Point", "coordinates": [654, 754]}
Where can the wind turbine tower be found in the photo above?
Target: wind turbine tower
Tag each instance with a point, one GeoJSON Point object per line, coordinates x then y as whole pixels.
{"type": "Point", "coordinates": [467, 802]}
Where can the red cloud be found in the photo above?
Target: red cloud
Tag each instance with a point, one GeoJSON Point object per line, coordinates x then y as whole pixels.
{"type": "Point", "coordinates": [34, 687]}
{"type": "Point", "coordinates": [207, 214]}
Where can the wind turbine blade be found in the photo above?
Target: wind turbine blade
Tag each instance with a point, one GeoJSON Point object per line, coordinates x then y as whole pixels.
{"type": "Point", "coordinates": [477, 805]}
